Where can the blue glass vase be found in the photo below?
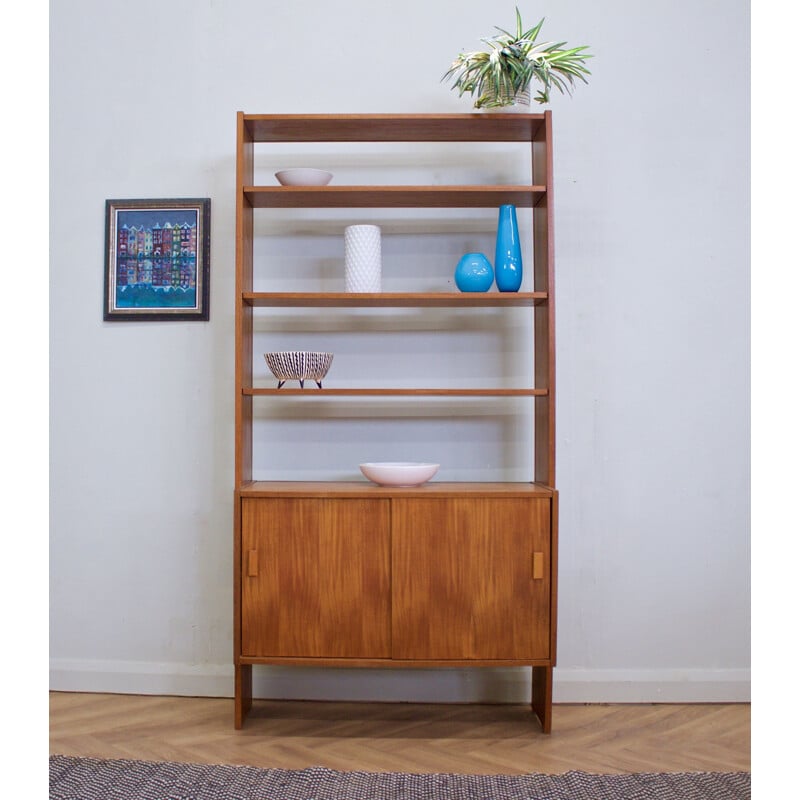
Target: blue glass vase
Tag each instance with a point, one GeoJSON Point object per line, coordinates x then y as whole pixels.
{"type": "Point", "coordinates": [508, 253]}
{"type": "Point", "coordinates": [474, 273]}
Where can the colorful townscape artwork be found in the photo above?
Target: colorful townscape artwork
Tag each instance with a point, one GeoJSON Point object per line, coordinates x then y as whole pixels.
{"type": "Point", "coordinates": [157, 259]}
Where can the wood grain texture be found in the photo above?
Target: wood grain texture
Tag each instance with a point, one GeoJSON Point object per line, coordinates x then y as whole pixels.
{"type": "Point", "coordinates": [544, 315]}
{"type": "Point", "coordinates": [393, 299]}
{"type": "Point", "coordinates": [404, 737]}
{"type": "Point", "coordinates": [243, 353]}
{"type": "Point", "coordinates": [392, 196]}
{"type": "Point", "coordinates": [462, 586]}
{"type": "Point", "coordinates": [496, 127]}
{"type": "Point", "coordinates": [322, 589]}
{"type": "Point", "coordinates": [364, 488]}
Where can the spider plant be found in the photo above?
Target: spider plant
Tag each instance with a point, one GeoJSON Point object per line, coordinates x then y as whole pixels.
{"type": "Point", "coordinates": [512, 62]}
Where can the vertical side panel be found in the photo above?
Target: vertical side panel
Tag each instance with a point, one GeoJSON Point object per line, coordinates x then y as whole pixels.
{"type": "Point", "coordinates": [545, 407]}
{"type": "Point", "coordinates": [244, 314]}
{"type": "Point", "coordinates": [243, 673]}
{"type": "Point", "coordinates": [243, 693]}
{"type": "Point", "coordinates": [542, 696]}
{"type": "Point", "coordinates": [544, 316]}
{"type": "Point", "coordinates": [237, 576]}
{"type": "Point", "coordinates": [553, 577]}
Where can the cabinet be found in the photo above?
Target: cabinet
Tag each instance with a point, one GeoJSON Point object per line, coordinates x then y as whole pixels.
{"type": "Point", "coordinates": [346, 573]}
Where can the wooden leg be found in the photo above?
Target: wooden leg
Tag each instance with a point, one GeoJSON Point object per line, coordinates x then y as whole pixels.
{"type": "Point", "coordinates": [243, 693]}
{"type": "Point", "coordinates": [542, 696]}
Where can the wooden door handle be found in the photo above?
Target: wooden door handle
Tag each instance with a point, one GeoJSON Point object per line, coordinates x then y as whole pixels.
{"type": "Point", "coordinates": [537, 566]}
{"type": "Point", "coordinates": [252, 563]}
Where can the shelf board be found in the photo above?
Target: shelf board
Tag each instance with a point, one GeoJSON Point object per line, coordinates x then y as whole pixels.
{"type": "Point", "coordinates": [312, 390]}
{"type": "Point", "coordinates": [392, 196]}
{"type": "Point", "coordinates": [364, 488]}
{"type": "Point", "coordinates": [393, 299]}
{"type": "Point", "coordinates": [480, 127]}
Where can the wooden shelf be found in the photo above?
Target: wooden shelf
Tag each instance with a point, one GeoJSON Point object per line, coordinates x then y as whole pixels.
{"type": "Point", "coordinates": [393, 299]}
{"type": "Point", "coordinates": [364, 488]}
{"type": "Point", "coordinates": [494, 127]}
{"type": "Point", "coordinates": [313, 391]}
{"type": "Point", "coordinates": [392, 196]}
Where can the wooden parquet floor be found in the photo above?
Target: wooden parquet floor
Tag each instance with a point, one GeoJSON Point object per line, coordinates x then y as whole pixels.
{"type": "Point", "coordinates": [400, 737]}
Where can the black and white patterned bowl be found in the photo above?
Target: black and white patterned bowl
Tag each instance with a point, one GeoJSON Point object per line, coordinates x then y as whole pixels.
{"type": "Point", "coordinates": [299, 365]}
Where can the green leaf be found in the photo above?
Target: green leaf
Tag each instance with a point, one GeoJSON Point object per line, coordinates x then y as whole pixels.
{"type": "Point", "coordinates": [533, 32]}
{"type": "Point", "coordinates": [512, 61]}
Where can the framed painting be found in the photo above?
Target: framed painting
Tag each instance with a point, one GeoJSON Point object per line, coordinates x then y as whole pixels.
{"type": "Point", "coordinates": [157, 259]}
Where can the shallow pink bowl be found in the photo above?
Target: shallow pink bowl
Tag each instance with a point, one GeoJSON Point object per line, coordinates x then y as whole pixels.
{"type": "Point", "coordinates": [399, 473]}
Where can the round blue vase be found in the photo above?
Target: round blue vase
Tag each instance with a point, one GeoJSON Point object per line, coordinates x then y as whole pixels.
{"type": "Point", "coordinates": [474, 273]}
{"type": "Point", "coordinates": [508, 253]}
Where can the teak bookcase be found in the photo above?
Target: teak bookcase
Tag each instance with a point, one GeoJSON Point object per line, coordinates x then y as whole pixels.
{"type": "Point", "coordinates": [350, 574]}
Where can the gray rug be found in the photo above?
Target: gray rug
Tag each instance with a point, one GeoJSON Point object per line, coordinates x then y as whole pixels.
{"type": "Point", "coordinates": [100, 779]}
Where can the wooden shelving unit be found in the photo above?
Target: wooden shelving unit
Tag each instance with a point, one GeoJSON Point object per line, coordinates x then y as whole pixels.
{"type": "Point", "coordinates": [351, 574]}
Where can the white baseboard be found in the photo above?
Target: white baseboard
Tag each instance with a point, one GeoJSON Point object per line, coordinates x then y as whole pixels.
{"type": "Point", "coordinates": [651, 685]}
{"type": "Point", "coordinates": [141, 677]}
{"type": "Point", "coordinates": [477, 685]}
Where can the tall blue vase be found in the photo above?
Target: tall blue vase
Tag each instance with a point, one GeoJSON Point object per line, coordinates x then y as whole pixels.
{"type": "Point", "coordinates": [508, 253]}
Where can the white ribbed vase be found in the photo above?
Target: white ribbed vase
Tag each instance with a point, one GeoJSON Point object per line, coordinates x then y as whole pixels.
{"type": "Point", "coordinates": [362, 258]}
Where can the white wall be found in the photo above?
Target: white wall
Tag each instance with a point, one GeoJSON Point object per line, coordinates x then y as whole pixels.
{"type": "Point", "coordinates": [652, 244]}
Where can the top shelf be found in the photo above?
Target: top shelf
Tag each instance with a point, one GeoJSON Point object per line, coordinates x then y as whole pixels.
{"type": "Point", "coordinates": [484, 127]}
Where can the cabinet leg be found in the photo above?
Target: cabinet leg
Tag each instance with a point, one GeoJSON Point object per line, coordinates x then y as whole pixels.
{"type": "Point", "coordinates": [243, 693]}
{"type": "Point", "coordinates": [542, 696]}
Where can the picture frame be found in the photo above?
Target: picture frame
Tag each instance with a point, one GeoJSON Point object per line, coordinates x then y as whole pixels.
{"type": "Point", "coordinates": [157, 260]}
